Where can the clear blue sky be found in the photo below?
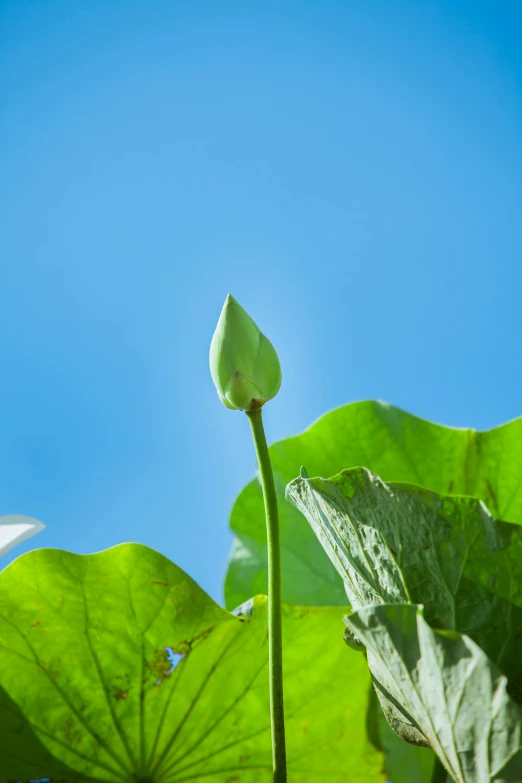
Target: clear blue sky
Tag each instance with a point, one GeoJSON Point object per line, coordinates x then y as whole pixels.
{"type": "Point", "coordinates": [350, 171]}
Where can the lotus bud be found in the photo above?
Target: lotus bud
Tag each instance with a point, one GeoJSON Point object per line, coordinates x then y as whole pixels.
{"type": "Point", "coordinates": [243, 362]}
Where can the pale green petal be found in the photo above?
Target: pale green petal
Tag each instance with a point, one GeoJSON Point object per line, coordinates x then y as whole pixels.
{"type": "Point", "coordinates": [241, 391]}
{"type": "Point", "coordinates": [267, 370]}
{"type": "Point", "coordinates": [243, 363]}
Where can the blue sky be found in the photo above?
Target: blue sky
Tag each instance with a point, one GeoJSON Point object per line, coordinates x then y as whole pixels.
{"type": "Point", "coordinates": [350, 171]}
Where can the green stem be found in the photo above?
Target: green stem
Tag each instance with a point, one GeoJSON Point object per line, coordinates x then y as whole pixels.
{"type": "Point", "coordinates": [275, 641]}
{"type": "Point", "coordinates": [439, 774]}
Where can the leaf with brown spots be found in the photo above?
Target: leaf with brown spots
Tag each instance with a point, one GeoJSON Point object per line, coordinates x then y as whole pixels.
{"type": "Point", "coordinates": [99, 692]}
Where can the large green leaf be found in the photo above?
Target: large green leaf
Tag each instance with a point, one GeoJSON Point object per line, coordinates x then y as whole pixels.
{"type": "Point", "coordinates": [396, 543]}
{"type": "Point", "coordinates": [83, 658]}
{"type": "Point", "coordinates": [22, 755]}
{"type": "Point", "coordinates": [391, 443]}
{"type": "Point", "coordinates": [445, 688]}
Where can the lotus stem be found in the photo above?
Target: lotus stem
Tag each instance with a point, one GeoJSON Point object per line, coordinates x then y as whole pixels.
{"type": "Point", "coordinates": [275, 640]}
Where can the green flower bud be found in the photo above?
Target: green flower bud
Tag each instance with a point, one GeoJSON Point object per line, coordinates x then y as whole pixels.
{"type": "Point", "coordinates": [243, 362]}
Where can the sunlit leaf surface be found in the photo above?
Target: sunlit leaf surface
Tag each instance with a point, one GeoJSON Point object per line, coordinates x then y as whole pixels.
{"type": "Point", "coordinates": [117, 667]}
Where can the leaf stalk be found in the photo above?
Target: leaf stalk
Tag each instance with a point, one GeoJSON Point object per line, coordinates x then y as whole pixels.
{"type": "Point", "coordinates": [275, 640]}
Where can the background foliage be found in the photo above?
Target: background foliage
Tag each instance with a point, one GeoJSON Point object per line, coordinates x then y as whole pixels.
{"type": "Point", "coordinates": [391, 443]}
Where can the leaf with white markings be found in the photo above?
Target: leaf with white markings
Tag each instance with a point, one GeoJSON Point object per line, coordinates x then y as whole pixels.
{"type": "Point", "coordinates": [396, 543]}
{"type": "Point", "coordinates": [442, 687]}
